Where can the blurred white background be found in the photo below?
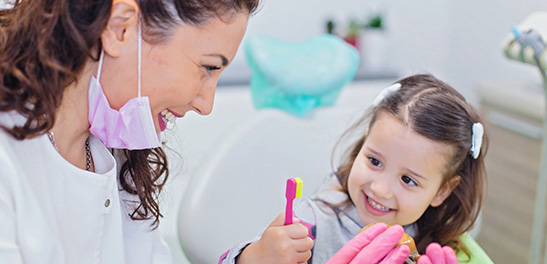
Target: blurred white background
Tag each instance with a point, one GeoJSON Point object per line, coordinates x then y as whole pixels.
{"type": "Point", "coordinates": [459, 41]}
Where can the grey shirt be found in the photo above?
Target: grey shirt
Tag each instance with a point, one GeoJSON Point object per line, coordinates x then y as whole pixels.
{"type": "Point", "coordinates": [331, 227]}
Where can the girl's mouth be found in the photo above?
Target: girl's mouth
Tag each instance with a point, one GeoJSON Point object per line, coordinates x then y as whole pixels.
{"type": "Point", "coordinates": [375, 208]}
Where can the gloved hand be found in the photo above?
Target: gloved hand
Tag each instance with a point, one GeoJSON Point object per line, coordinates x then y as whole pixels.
{"type": "Point", "coordinates": [374, 245]}
{"type": "Point", "coordinates": [435, 254]}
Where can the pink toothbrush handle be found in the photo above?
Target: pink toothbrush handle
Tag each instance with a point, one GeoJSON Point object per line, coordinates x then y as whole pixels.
{"type": "Point", "coordinates": [290, 194]}
{"type": "Point", "coordinates": [288, 212]}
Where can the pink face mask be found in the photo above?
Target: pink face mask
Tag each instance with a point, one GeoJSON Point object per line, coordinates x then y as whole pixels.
{"type": "Point", "coordinates": [132, 127]}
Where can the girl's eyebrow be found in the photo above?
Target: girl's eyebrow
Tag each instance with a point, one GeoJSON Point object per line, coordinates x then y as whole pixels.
{"type": "Point", "coordinates": [376, 153]}
{"type": "Point", "coordinates": [416, 174]}
{"type": "Point", "coordinates": [222, 57]}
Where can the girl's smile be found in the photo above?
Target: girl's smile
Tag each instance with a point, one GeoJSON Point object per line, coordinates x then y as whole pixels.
{"type": "Point", "coordinates": [376, 208]}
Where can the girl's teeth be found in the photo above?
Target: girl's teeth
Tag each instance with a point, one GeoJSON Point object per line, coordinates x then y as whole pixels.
{"type": "Point", "coordinates": [164, 112]}
{"type": "Point", "coordinates": [377, 206]}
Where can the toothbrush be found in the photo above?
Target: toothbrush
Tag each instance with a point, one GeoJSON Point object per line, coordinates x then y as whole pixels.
{"type": "Point", "coordinates": [294, 190]}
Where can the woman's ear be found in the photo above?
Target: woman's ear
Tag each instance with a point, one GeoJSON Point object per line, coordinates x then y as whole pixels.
{"type": "Point", "coordinates": [445, 191]}
{"type": "Point", "coordinates": [124, 19]}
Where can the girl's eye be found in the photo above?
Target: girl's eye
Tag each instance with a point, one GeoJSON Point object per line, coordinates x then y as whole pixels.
{"type": "Point", "coordinates": [409, 181]}
{"type": "Point", "coordinates": [210, 68]}
{"type": "Point", "coordinates": [375, 162]}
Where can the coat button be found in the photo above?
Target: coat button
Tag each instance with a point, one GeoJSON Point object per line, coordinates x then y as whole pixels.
{"type": "Point", "coordinates": [107, 203]}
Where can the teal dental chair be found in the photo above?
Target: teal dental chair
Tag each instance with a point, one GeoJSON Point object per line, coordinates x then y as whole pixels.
{"type": "Point", "coordinates": [298, 77]}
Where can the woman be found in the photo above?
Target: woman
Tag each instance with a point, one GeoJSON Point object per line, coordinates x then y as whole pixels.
{"type": "Point", "coordinates": [118, 70]}
{"type": "Point", "coordinates": [86, 88]}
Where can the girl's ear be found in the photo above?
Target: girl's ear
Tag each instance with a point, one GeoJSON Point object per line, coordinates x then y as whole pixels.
{"type": "Point", "coordinates": [445, 191]}
{"type": "Point", "coordinates": [123, 22]}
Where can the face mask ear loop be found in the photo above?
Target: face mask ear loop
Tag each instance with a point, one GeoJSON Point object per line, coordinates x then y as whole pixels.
{"type": "Point", "coordinates": [139, 45]}
{"type": "Point", "coordinates": [100, 65]}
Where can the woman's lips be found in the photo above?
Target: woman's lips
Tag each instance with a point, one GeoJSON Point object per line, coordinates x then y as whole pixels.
{"type": "Point", "coordinates": [375, 208]}
{"type": "Point", "coordinates": [175, 113]}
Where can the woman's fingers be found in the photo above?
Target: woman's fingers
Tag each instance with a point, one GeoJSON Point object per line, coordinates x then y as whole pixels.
{"type": "Point", "coordinates": [380, 246]}
{"type": "Point", "coordinates": [424, 260]}
{"type": "Point", "coordinates": [354, 246]}
{"type": "Point", "coordinates": [397, 255]}
{"type": "Point", "coordinates": [435, 254]}
{"type": "Point", "coordinates": [450, 255]}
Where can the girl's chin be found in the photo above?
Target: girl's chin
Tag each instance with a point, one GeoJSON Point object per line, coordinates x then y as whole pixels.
{"type": "Point", "coordinates": [368, 219]}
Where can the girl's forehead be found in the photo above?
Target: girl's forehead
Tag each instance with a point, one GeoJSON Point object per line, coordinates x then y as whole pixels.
{"type": "Point", "coordinates": [400, 145]}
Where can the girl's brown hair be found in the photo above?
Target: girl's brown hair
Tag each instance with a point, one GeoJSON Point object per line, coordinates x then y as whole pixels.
{"type": "Point", "coordinates": [44, 46]}
{"type": "Point", "coordinates": [437, 111]}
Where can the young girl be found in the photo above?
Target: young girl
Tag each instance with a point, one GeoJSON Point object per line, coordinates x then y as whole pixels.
{"type": "Point", "coordinates": [418, 163]}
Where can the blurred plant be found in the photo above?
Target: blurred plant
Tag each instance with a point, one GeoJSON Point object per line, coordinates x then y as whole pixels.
{"type": "Point", "coordinates": [330, 27]}
{"type": "Point", "coordinates": [354, 28]}
{"type": "Point", "coordinates": [375, 21]}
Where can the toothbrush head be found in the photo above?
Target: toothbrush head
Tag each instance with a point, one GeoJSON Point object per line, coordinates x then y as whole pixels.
{"type": "Point", "coordinates": [294, 188]}
{"type": "Point", "coordinates": [298, 187]}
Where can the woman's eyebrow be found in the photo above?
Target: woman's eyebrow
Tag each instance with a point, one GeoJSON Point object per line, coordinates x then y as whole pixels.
{"type": "Point", "coordinates": [222, 57]}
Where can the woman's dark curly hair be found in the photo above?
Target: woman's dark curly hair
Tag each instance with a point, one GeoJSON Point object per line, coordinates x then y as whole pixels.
{"type": "Point", "coordinates": [44, 46]}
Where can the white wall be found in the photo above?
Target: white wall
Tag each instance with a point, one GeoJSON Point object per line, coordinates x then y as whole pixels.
{"type": "Point", "coordinates": [459, 41]}
{"type": "Point", "coordinates": [477, 30]}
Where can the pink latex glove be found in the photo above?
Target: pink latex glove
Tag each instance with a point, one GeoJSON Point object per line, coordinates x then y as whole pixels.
{"type": "Point", "coordinates": [372, 246]}
{"type": "Point", "coordinates": [435, 254]}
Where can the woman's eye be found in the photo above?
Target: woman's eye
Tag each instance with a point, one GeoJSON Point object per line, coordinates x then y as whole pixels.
{"type": "Point", "coordinates": [409, 181]}
{"type": "Point", "coordinates": [375, 162]}
{"type": "Point", "coordinates": [210, 68]}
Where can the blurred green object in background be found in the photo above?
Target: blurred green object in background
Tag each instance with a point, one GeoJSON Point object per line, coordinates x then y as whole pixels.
{"type": "Point", "coordinates": [298, 77]}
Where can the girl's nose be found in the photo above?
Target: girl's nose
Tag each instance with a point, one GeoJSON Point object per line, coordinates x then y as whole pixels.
{"type": "Point", "coordinates": [382, 187]}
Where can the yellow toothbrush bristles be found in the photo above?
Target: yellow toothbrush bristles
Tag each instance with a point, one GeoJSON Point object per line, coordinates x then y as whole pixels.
{"type": "Point", "coordinates": [298, 187]}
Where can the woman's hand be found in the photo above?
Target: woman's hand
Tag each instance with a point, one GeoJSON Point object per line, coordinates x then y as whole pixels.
{"type": "Point", "coordinates": [435, 254]}
{"type": "Point", "coordinates": [279, 244]}
{"type": "Point", "coordinates": [374, 245]}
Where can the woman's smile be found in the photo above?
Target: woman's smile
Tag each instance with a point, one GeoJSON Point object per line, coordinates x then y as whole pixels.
{"type": "Point", "coordinates": [167, 116]}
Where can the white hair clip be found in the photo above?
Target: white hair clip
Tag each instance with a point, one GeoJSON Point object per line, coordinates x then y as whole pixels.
{"type": "Point", "coordinates": [384, 93]}
{"type": "Point", "coordinates": [476, 140]}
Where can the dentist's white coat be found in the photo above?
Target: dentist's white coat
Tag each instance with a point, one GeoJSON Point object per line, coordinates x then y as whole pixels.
{"type": "Point", "coordinates": [53, 212]}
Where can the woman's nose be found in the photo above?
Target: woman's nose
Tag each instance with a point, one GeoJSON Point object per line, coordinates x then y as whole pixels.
{"type": "Point", "coordinates": [382, 187]}
{"type": "Point", "coordinates": [203, 102]}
